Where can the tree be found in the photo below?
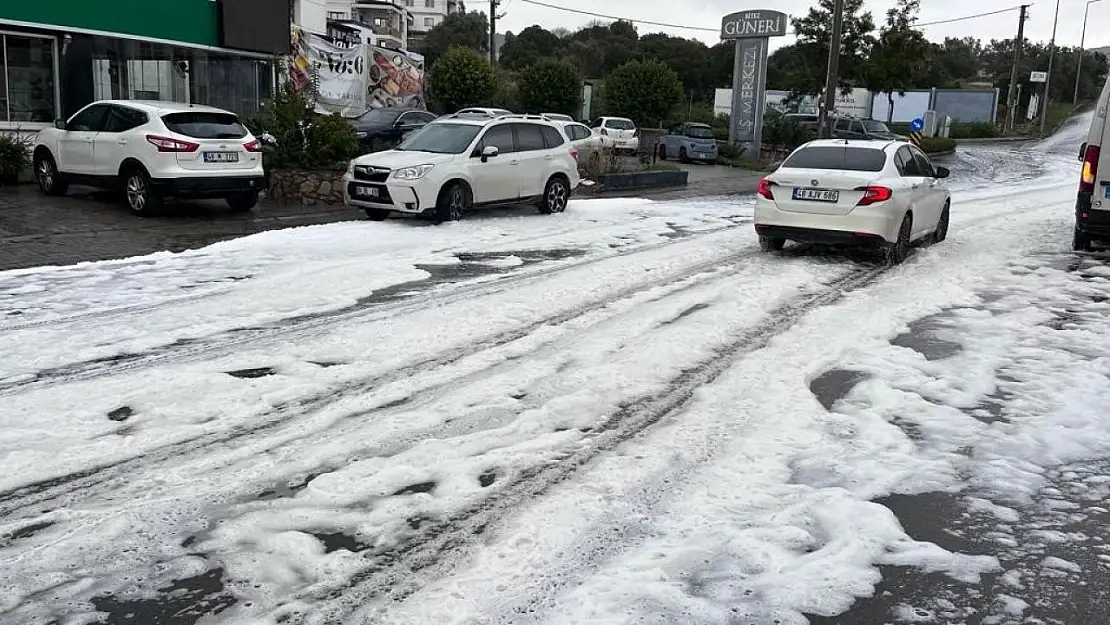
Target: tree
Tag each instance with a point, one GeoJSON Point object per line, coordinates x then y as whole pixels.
{"type": "Point", "coordinates": [814, 37]}
{"type": "Point", "coordinates": [645, 91]}
{"type": "Point", "coordinates": [457, 29]}
{"type": "Point", "coordinates": [900, 57]}
{"type": "Point", "coordinates": [531, 45]}
{"type": "Point", "coordinates": [462, 77]}
{"type": "Point", "coordinates": [688, 57]}
{"type": "Point", "coordinates": [550, 87]}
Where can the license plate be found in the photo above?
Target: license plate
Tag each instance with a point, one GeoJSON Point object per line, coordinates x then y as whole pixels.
{"type": "Point", "coordinates": [221, 157]}
{"type": "Point", "coordinates": [1108, 192]}
{"type": "Point", "coordinates": [366, 191]}
{"type": "Point", "coordinates": [817, 195]}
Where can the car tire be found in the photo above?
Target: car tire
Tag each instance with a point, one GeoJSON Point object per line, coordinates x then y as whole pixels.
{"type": "Point", "coordinates": [242, 203]}
{"type": "Point", "coordinates": [453, 201]}
{"type": "Point", "coordinates": [141, 196]}
{"type": "Point", "coordinates": [376, 214]}
{"type": "Point", "coordinates": [895, 253]}
{"type": "Point", "coordinates": [941, 233]}
{"type": "Point", "coordinates": [682, 156]}
{"type": "Point", "coordinates": [771, 244]}
{"type": "Point", "coordinates": [1080, 241]}
{"type": "Point", "coordinates": [555, 196]}
{"type": "Point", "coordinates": [51, 181]}
{"type": "Point", "coordinates": [662, 152]}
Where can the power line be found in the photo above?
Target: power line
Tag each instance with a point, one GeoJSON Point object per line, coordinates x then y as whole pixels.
{"type": "Point", "coordinates": [717, 30]}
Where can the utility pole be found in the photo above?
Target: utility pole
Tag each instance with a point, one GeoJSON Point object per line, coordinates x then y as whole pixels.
{"type": "Point", "coordinates": [1048, 75]}
{"type": "Point", "coordinates": [1079, 61]}
{"type": "Point", "coordinates": [824, 129]}
{"type": "Point", "coordinates": [1019, 42]}
{"type": "Point", "coordinates": [493, 4]}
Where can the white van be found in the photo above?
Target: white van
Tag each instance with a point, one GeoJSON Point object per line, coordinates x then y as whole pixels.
{"type": "Point", "coordinates": [1092, 205]}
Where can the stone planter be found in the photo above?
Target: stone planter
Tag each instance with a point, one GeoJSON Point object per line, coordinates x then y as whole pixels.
{"type": "Point", "coordinates": [642, 180]}
{"type": "Point", "coordinates": [307, 187]}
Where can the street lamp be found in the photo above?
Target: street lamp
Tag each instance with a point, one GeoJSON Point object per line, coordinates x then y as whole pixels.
{"type": "Point", "coordinates": [1079, 63]}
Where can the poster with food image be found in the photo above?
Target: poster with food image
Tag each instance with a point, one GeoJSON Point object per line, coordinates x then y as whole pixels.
{"type": "Point", "coordinates": [393, 79]}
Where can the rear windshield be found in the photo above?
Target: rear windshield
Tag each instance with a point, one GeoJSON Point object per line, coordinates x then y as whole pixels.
{"type": "Point", "coordinates": [835, 157]}
{"type": "Point", "coordinates": [699, 133]}
{"type": "Point", "coordinates": [620, 124]}
{"type": "Point", "coordinates": [205, 125]}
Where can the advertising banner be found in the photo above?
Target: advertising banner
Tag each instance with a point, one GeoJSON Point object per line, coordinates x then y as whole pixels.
{"type": "Point", "coordinates": [393, 79]}
{"type": "Point", "coordinates": [340, 73]}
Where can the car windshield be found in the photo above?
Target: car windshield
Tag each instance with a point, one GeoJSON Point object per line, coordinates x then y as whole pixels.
{"type": "Point", "coordinates": [440, 138]}
{"type": "Point", "coordinates": [836, 157]}
{"type": "Point", "coordinates": [874, 126]}
{"type": "Point", "coordinates": [379, 116]}
{"type": "Point", "coordinates": [620, 124]}
{"type": "Point", "coordinates": [699, 132]}
{"type": "Point", "coordinates": [205, 125]}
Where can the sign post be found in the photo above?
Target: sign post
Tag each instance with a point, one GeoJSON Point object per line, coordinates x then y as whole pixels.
{"type": "Point", "coordinates": [916, 126]}
{"type": "Point", "coordinates": [752, 32]}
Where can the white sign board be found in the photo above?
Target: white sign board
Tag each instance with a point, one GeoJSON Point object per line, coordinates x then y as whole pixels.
{"type": "Point", "coordinates": [342, 75]}
{"type": "Point", "coordinates": [1038, 76]}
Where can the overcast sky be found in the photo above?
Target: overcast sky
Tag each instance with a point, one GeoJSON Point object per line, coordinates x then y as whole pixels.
{"type": "Point", "coordinates": [707, 14]}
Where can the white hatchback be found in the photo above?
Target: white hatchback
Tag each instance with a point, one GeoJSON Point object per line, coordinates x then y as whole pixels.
{"type": "Point", "coordinates": [462, 161]}
{"type": "Point", "coordinates": [152, 150]}
{"type": "Point", "coordinates": [883, 195]}
{"type": "Point", "coordinates": [619, 133]}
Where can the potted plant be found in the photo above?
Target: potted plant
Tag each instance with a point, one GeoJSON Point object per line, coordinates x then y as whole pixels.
{"type": "Point", "coordinates": [15, 157]}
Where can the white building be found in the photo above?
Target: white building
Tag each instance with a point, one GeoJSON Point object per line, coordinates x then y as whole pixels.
{"type": "Point", "coordinates": [389, 20]}
{"type": "Point", "coordinates": [427, 14]}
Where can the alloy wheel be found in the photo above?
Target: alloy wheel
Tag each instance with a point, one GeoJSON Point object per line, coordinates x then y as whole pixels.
{"type": "Point", "coordinates": [136, 193]}
{"type": "Point", "coordinates": [557, 197]}
{"type": "Point", "coordinates": [46, 175]}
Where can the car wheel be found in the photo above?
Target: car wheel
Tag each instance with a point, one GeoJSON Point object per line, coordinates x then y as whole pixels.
{"type": "Point", "coordinates": [771, 244]}
{"type": "Point", "coordinates": [142, 198]}
{"type": "Point", "coordinates": [896, 253]}
{"type": "Point", "coordinates": [453, 201]}
{"type": "Point", "coordinates": [662, 152]}
{"type": "Point", "coordinates": [682, 156]}
{"type": "Point", "coordinates": [49, 178]}
{"type": "Point", "coordinates": [555, 196]}
{"type": "Point", "coordinates": [1080, 241]}
{"type": "Point", "coordinates": [941, 233]}
{"type": "Point", "coordinates": [242, 203]}
{"type": "Point", "coordinates": [376, 214]}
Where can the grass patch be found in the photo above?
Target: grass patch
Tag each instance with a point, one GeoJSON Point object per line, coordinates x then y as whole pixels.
{"type": "Point", "coordinates": [1057, 113]}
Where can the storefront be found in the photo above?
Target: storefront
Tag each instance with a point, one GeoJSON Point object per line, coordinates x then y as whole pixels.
{"type": "Point", "coordinates": [58, 55]}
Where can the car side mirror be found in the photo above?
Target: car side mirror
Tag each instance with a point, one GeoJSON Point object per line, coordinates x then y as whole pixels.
{"type": "Point", "coordinates": [489, 152]}
{"type": "Point", "coordinates": [1082, 151]}
{"type": "Point", "coordinates": [942, 172]}
{"type": "Point", "coordinates": [60, 124]}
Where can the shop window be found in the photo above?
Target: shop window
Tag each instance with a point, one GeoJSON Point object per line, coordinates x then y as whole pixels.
{"type": "Point", "coordinates": [27, 74]}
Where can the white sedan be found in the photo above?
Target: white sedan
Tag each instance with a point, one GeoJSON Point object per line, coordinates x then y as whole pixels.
{"type": "Point", "coordinates": [884, 195]}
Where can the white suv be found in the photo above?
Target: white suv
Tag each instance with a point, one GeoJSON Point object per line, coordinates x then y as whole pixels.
{"type": "Point", "coordinates": [152, 150]}
{"type": "Point", "coordinates": [458, 162]}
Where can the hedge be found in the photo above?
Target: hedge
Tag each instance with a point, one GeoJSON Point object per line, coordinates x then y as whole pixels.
{"type": "Point", "coordinates": [935, 145]}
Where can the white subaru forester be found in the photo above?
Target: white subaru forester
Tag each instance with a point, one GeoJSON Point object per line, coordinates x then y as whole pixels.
{"type": "Point", "coordinates": [463, 161]}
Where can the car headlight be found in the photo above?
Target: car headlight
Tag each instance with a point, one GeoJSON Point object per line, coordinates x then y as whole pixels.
{"type": "Point", "coordinates": [360, 134]}
{"type": "Point", "coordinates": [412, 173]}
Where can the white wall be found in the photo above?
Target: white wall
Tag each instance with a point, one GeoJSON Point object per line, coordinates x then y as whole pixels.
{"type": "Point", "coordinates": [857, 103]}
{"type": "Point", "coordinates": [312, 15]}
{"type": "Point", "coordinates": [907, 107]}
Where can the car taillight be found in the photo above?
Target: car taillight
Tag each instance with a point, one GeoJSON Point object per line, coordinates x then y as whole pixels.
{"type": "Point", "coordinates": [605, 132]}
{"type": "Point", "coordinates": [764, 188]}
{"type": "Point", "coordinates": [573, 153]}
{"type": "Point", "coordinates": [253, 146]}
{"type": "Point", "coordinates": [166, 144]}
{"type": "Point", "coordinates": [873, 195]}
{"type": "Point", "coordinates": [1090, 169]}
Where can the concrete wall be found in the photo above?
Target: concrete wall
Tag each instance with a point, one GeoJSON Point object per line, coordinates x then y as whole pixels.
{"type": "Point", "coordinates": [311, 15]}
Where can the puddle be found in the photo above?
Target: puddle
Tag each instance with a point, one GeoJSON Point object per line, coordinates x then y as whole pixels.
{"type": "Point", "coordinates": [686, 313]}
{"type": "Point", "coordinates": [419, 488]}
{"type": "Point", "coordinates": [289, 488]}
{"type": "Point", "coordinates": [259, 372]}
{"type": "Point", "coordinates": [487, 478]}
{"type": "Point", "coordinates": [335, 541]}
{"type": "Point", "coordinates": [122, 413]}
{"type": "Point", "coordinates": [27, 531]}
{"type": "Point", "coordinates": [834, 385]}
{"type": "Point", "coordinates": [922, 338]}
{"type": "Point", "coordinates": [184, 602]}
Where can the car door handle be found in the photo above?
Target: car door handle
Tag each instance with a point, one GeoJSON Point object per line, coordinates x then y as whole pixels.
{"type": "Point", "coordinates": [548, 157]}
{"type": "Point", "coordinates": [915, 186]}
{"type": "Point", "coordinates": [122, 142]}
{"type": "Point", "coordinates": [514, 162]}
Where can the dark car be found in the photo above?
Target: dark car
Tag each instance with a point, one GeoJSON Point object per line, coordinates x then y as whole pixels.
{"type": "Point", "coordinates": [388, 125]}
{"type": "Point", "coordinates": [808, 121]}
{"type": "Point", "coordinates": [854, 128]}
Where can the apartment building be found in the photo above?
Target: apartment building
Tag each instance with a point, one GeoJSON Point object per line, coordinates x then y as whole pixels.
{"type": "Point", "coordinates": [427, 14]}
{"type": "Point", "coordinates": [389, 21]}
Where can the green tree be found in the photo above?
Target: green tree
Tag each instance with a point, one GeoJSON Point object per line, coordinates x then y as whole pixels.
{"type": "Point", "coordinates": [688, 57]}
{"type": "Point", "coordinates": [813, 33]}
{"type": "Point", "coordinates": [645, 91]}
{"type": "Point", "coordinates": [900, 57]}
{"type": "Point", "coordinates": [531, 45]}
{"type": "Point", "coordinates": [462, 77]}
{"type": "Point", "coordinates": [550, 87]}
{"type": "Point", "coordinates": [468, 29]}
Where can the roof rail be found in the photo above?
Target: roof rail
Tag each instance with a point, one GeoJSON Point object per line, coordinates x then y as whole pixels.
{"type": "Point", "coordinates": [524, 116]}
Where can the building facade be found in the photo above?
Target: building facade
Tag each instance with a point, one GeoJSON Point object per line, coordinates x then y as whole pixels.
{"type": "Point", "coordinates": [57, 56]}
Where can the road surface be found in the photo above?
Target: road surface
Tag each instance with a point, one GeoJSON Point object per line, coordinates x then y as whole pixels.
{"type": "Point", "coordinates": [621, 414]}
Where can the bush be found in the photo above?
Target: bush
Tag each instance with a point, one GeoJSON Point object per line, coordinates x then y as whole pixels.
{"type": "Point", "coordinates": [645, 91]}
{"type": "Point", "coordinates": [781, 134]}
{"type": "Point", "coordinates": [305, 139]}
{"type": "Point", "coordinates": [935, 145]}
{"type": "Point", "coordinates": [973, 130]}
{"type": "Point", "coordinates": [462, 77]}
{"type": "Point", "coordinates": [550, 87]}
{"type": "Point", "coordinates": [15, 156]}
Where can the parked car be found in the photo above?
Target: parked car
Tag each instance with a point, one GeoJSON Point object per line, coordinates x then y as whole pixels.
{"type": "Point", "coordinates": [558, 117]}
{"type": "Point", "coordinates": [488, 112]}
{"type": "Point", "coordinates": [855, 128]}
{"type": "Point", "coordinates": [809, 121]}
{"type": "Point", "coordinates": [463, 161]}
{"type": "Point", "coordinates": [689, 141]}
{"type": "Point", "coordinates": [152, 151]}
{"type": "Point", "coordinates": [884, 195]}
{"type": "Point", "coordinates": [619, 133]}
{"type": "Point", "coordinates": [584, 138]}
{"type": "Point", "coordinates": [388, 124]}
{"type": "Point", "coordinates": [1092, 202]}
